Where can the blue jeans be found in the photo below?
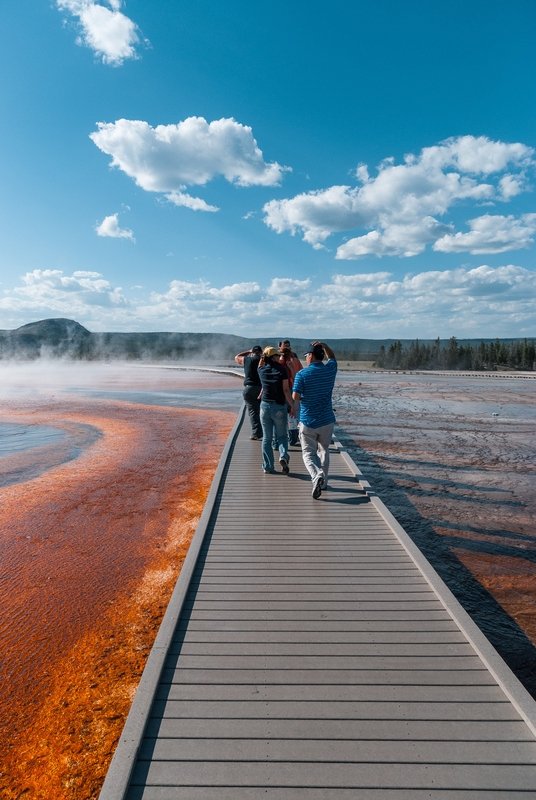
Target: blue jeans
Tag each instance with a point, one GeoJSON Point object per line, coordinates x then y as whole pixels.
{"type": "Point", "coordinates": [274, 422]}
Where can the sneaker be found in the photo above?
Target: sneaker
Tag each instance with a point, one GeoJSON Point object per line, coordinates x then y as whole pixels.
{"type": "Point", "coordinates": [284, 465]}
{"type": "Point", "coordinates": [318, 485]}
{"type": "Point", "coordinates": [255, 437]}
{"type": "Point", "coordinates": [268, 471]}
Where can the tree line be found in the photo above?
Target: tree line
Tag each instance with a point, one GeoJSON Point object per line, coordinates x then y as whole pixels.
{"type": "Point", "coordinates": [452, 355]}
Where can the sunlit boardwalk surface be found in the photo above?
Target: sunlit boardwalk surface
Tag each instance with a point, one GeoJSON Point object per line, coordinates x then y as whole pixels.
{"type": "Point", "coordinates": [311, 652]}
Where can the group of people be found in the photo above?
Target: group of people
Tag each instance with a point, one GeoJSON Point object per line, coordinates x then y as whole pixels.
{"type": "Point", "coordinates": [287, 401]}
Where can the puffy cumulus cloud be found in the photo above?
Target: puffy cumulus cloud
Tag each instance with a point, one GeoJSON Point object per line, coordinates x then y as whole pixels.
{"type": "Point", "coordinates": [435, 286]}
{"type": "Point", "coordinates": [168, 158]}
{"type": "Point", "coordinates": [287, 287]}
{"type": "Point", "coordinates": [200, 306]}
{"type": "Point", "coordinates": [85, 296]}
{"type": "Point", "coordinates": [401, 205]}
{"type": "Point", "coordinates": [186, 200]}
{"type": "Point", "coordinates": [317, 214]}
{"type": "Point", "coordinates": [511, 185]}
{"type": "Point", "coordinates": [470, 302]}
{"type": "Point", "coordinates": [104, 29]}
{"type": "Point", "coordinates": [110, 227]}
{"type": "Point", "coordinates": [475, 154]}
{"type": "Point", "coordinates": [491, 234]}
{"type": "Point", "coordinates": [397, 240]}
{"type": "Point", "coordinates": [179, 291]}
{"type": "Point", "coordinates": [239, 307]}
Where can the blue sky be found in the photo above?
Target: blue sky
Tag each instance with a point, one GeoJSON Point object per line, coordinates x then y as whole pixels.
{"type": "Point", "coordinates": [306, 168]}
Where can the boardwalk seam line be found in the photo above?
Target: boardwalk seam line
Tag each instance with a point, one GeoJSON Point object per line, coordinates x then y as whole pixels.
{"type": "Point", "coordinates": [117, 779]}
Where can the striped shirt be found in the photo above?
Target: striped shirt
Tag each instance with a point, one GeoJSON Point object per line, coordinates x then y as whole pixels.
{"type": "Point", "coordinates": [315, 385]}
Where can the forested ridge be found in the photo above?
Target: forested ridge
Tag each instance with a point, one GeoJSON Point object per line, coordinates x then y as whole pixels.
{"type": "Point", "coordinates": [452, 355]}
{"type": "Point", "coordinates": [67, 339]}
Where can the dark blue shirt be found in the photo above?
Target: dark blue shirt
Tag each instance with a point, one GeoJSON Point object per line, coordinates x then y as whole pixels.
{"type": "Point", "coordinates": [251, 364]}
{"type": "Point", "coordinates": [272, 376]}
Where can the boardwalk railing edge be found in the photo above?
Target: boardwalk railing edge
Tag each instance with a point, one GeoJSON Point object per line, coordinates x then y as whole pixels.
{"type": "Point", "coordinates": [520, 698]}
{"type": "Point", "coordinates": [119, 772]}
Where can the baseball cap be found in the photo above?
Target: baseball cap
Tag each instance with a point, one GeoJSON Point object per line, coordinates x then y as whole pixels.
{"type": "Point", "coordinates": [316, 349]}
{"type": "Point", "coordinates": [256, 349]}
{"type": "Point", "coordinates": [271, 351]}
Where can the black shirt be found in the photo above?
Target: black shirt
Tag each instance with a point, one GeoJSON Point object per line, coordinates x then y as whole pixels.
{"type": "Point", "coordinates": [272, 376]}
{"type": "Point", "coordinates": [251, 376]}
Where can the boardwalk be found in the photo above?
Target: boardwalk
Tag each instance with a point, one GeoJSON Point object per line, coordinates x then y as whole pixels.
{"type": "Point", "coordinates": [311, 653]}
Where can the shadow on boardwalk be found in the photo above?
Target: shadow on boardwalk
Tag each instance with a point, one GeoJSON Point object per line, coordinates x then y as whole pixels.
{"type": "Point", "coordinates": [502, 631]}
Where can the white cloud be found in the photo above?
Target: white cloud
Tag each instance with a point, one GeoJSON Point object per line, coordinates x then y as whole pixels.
{"type": "Point", "coordinates": [491, 234]}
{"type": "Point", "coordinates": [170, 157]}
{"type": "Point", "coordinates": [397, 240]}
{"type": "Point", "coordinates": [110, 227]}
{"type": "Point", "coordinates": [512, 185]}
{"type": "Point", "coordinates": [400, 206]}
{"type": "Point", "coordinates": [501, 301]}
{"type": "Point", "coordinates": [318, 213]}
{"type": "Point", "coordinates": [195, 203]}
{"type": "Point", "coordinates": [179, 291]}
{"type": "Point", "coordinates": [109, 33]}
{"type": "Point", "coordinates": [287, 287]}
{"type": "Point", "coordinates": [45, 293]}
{"type": "Point", "coordinates": [464, 302]}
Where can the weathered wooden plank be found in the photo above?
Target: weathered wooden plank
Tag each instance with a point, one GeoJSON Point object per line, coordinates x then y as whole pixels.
{"type": "Point", "coordinates": [321, 650]}
{"type": "Point", "coordinates": [300, 562]}
{"type": "Point", "coordinates": [314, 793]}
{"type": "Point", "coordinates": [282, 594]}
{"type": "Point", "coordinates": [321, 626]}
{"type": "Point", "coordinates": [355, 533]}
{"type": "Point", "coordinates": [258, 709]}
{"type": "Point", "coordinates": [320, 614]}
{"type": "Point", "coordinates": [327, 729]}
{"type": "Point", "coordinates": [305, 532]}
{"type": "Point", "coordinates": [346, 751]}
{"type": "Point", "coordinates": [289, 588]}
{"type": "Point", "coordinates": [321, 676]}
{"type": "Point", "coordinates": [309, 605]}
{"type": "Point", "coordinates": [400, 693]}
{"type": "Point", "coordinates": [305, 663]}
{"type": "Point", "coordinates": [357, 776]}
{"type": "Point", "coordinates": [304, 561]}
{"type": "Point", "coordinates": [252, 582]}
{"type": "Point", "coordinates": [305, 544]}
{"type": "Point", "coordinates": [349, 573]}
{"type": "Point", "coordinates": [321, 638]}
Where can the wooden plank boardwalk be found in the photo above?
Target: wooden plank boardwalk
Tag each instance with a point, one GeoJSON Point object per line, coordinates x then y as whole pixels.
{"type": "Point", "coordinates": [310, 652]}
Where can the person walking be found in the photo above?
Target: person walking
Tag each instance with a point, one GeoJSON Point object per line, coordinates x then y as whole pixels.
{"type": "Point", "coordinates": [312, 391]}
{"type": "Point", "coordinates": [274, 401]}
{"type": "Point", "coordinates": [250, 359]}
{"type": "Point", "coordinates": [290, 360]}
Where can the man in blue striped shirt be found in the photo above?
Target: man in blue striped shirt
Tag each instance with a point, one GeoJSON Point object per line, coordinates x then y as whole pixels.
{"type": "Point", "coordinates": [312, 390]}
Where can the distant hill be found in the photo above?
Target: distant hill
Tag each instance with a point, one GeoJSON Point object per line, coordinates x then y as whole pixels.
{"type": "Point", "coordinates": [52, 338]}
{"type": "Point", "coordinates": [67, 339]}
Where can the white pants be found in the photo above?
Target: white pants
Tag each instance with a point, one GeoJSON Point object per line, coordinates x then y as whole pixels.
{"type": "Point", "coordinates": [315, 444]}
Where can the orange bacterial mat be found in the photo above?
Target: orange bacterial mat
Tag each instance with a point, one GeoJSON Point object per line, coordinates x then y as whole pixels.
{"type": "Point", "coordinates": [90, 550]}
